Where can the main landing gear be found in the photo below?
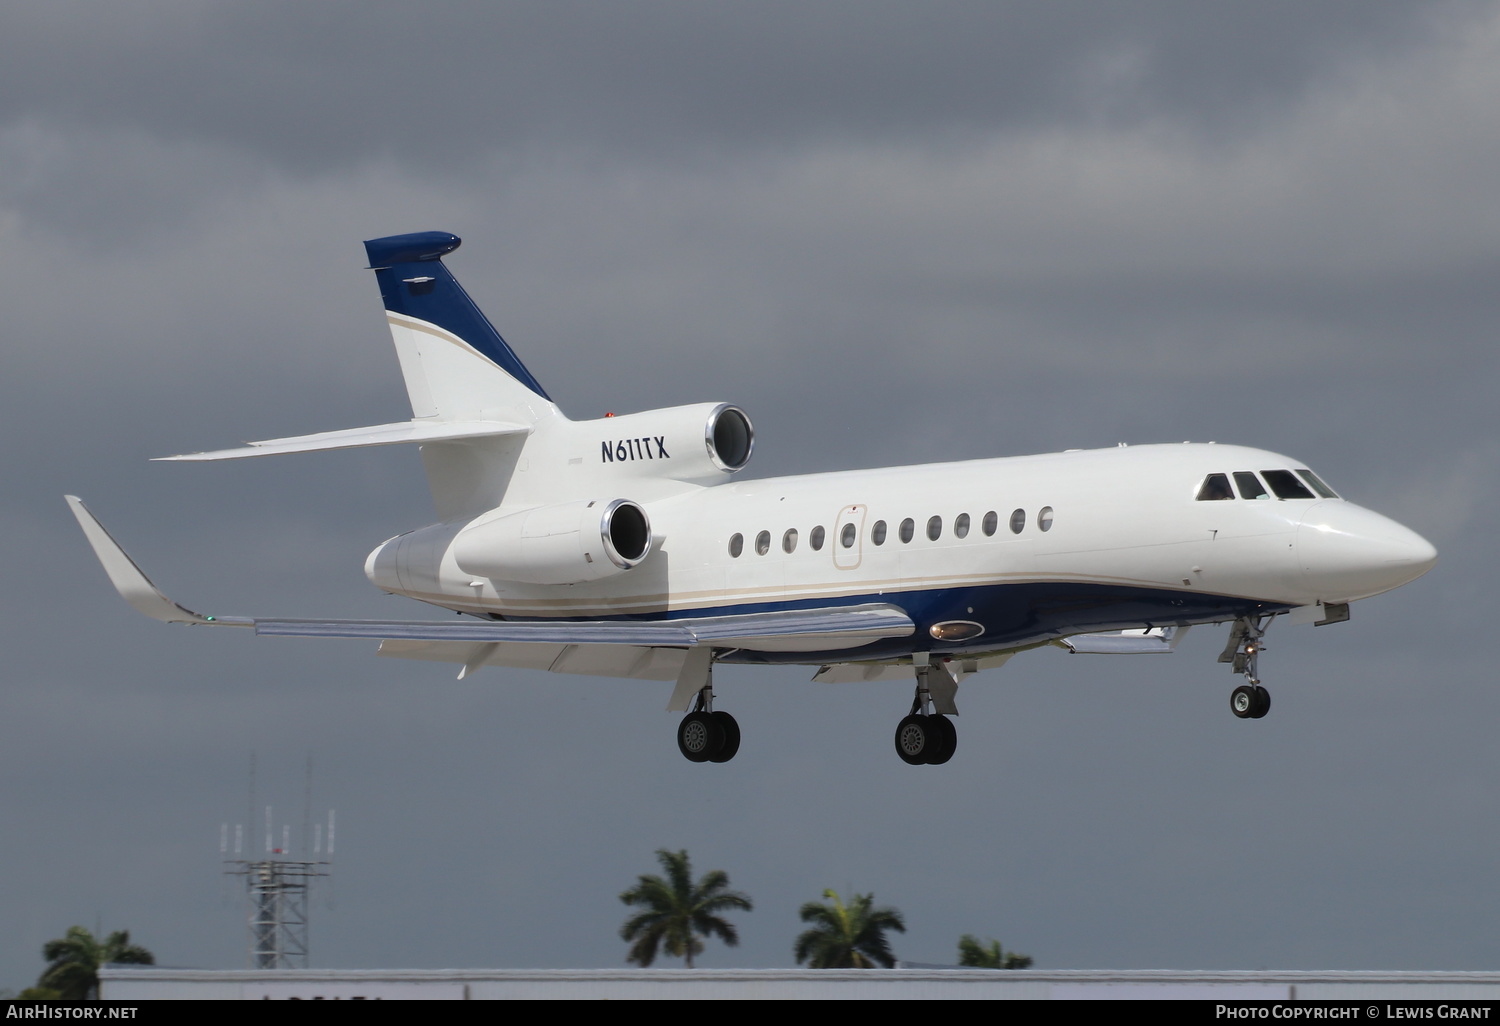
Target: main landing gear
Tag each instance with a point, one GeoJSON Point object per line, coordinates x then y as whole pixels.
{"type": "Point", "coordinates": [1249, 701]}
{"type": "Point", "coordinates": [708, 736]}
{"type": "Point", "coordinates": [705, 735]}
{"type": "Point", "coordinates": [926, 737]}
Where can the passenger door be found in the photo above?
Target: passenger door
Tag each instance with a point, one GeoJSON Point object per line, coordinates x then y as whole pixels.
{"type": "Point", "coordinates": [848, 537]}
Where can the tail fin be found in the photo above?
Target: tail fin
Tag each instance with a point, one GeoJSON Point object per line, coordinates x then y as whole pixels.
{"type": "Point", "coordinates": [456, 365]}
{"type": "Point", "coordinates": [457, 368]}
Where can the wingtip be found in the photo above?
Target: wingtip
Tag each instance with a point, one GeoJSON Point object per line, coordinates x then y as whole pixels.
{"type": "Point", "coordinates": [128, 579]}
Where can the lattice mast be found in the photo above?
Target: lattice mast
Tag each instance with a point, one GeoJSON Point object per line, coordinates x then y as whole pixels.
{"type": "Point", "coordinates": [279, 885]}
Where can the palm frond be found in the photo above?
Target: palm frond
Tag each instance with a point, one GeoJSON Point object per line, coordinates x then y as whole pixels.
{"type": "Point", "coordinates": [677, 911]}
{"type": "Point", "coordinates": [846, 936]}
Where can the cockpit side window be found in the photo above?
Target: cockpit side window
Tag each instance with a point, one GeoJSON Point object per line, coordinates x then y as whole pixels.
{"type": "Point", "coordinates": [1285, 484]}
{"type": "Point", "coordinates": [1317, 483]}
{"type": "Point", "coordinates": [1215, 486]}
{"type": "Point", "coordinates": [1250, 486]}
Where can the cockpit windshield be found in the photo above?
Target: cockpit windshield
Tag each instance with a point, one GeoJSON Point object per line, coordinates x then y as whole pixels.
{"type": "Point", "coordinates": [1317, 483]}
{"type": "Point", "coordinates": [1286, 484]}
{"type": "Point", "coordinates": [1250, 486]}
{"type": "Point", "coordinates": [1215, 486]}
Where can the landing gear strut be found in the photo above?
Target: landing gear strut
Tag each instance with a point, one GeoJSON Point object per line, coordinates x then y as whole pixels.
{"type": "Point", "coordinates": [925, 737]}
{"type": "Point", "coordinates": [705, 735]}
{"type": "Point", "coordinates": [1249, 701]}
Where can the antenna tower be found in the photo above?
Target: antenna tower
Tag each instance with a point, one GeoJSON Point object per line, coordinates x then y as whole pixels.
{"type": "Point", "coordinates": [279, 884]}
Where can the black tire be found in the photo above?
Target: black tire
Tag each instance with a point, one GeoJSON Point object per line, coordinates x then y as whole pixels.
{"type": "Point", "coordinates": [947, 739]}
{"type": "Point", "coordinates": [1243, 701]}
{"type": "Point", "coordinates": [731, 729]}
{"type": "Point", "coordinates": [915, 740]}
{"type": "Point", "coordinates": [1262, 704]}
{"type": "Point", "coordinates": [699, 737]}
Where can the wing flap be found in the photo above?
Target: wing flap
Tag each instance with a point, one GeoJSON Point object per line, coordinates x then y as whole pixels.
{"type": "Point", "coordinates": [586, 660]}
{"type": "Point", "coordinates": [1150, 641]}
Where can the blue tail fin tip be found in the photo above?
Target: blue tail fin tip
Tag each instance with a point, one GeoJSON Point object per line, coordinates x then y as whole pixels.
{"type": "Point", "coordinates": [414, 282]}
{"type": "Point", "coordinates": [408, 249]}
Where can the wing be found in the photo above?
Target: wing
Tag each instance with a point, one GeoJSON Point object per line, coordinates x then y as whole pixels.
{"type": "Point", "coordinates": [802, 630]}
{"type": "Point", "coordinates": [1141, 641]}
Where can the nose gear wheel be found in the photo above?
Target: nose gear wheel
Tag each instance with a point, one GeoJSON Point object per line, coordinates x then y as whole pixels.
{"type": "Point", "coordinates": [1249, 701]}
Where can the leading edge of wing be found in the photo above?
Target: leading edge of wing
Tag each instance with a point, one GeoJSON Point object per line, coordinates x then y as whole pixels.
{"type": "Point", "coordinates": [838, 627]}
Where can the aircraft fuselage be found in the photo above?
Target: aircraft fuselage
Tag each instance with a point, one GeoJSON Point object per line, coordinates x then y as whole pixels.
{"type": "Point", "coordinates": [1028, 549]}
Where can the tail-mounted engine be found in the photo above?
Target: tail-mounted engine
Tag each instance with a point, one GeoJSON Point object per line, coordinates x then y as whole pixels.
{"type": "Point", "coordinates": [687, 443]}
{"type": "Point", "coordinates": [568, 543]}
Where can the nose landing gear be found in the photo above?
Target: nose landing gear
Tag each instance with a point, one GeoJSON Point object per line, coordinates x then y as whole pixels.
{"type": "Point", "coordinates": [1249, 701]}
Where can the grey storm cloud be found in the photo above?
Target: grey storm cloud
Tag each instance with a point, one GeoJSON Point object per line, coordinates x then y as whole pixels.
{"type": "Point", "coordinates": [311, 86]}
{"type": "Point", "coordinates": [893, 233]}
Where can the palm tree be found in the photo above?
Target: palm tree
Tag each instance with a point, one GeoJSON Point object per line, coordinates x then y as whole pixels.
{"type": "Point", "coordinates": [847, 936]}
{"type": "Point", "coordinates": [76, 957]}
{"type": "Point", "coordinates": [989, 956]}
{"type": "Point", "coordinates": [677, 911]}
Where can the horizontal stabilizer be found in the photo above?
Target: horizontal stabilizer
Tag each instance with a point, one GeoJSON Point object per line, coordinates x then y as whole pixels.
{"type": "Point", "coordinates": [404, 433]}
{"type": "Point", "coordinates": [1155, 641]}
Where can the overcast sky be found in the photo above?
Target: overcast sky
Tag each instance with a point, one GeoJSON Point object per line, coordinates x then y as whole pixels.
{"type": "Point", "coordinates": [894, 233]}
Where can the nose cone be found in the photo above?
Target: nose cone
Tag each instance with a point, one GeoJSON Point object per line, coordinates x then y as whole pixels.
{"type": "Point", "coordinates": [1348, 552]}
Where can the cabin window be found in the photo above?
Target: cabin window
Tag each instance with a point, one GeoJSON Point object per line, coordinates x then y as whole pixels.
{"type": "Point", "coordinates": [1285, 484]}
{"type": "Point", "coordinates": [961, 526]}
{"type": "Point", "coordinates": [789, 540]}
{"type": "Point", "coordinates": [877, 533]}
{"type": "Point", "coordinates": [847, 535]}
{"type": "Point", "coordinates": [1044, 518]}
{"type": "Point", "coordinates": [1250, 486]}
{"type": "Point", "coordinates": [1018, 521]}
{"type": "Point", "coordinates": [1215, 486]}
{"type": "Point", "coordinates": [763, 543]}
{"type": "Point", "coordinates": [935, 528]}
{"type": "Point", "coordinates": [908, 529]}
{"type": "Point", "coordinates": [991, 521]}
{"type": "Point", "coordinates": [736, 545]}
{"type": "Point", "coordinates": [815, 539]}
{"type": "Point", "coordinates": [1317, 483]}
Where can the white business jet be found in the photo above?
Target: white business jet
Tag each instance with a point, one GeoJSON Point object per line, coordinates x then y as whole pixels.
{"type": "Point", "coordinates": [626, 547]}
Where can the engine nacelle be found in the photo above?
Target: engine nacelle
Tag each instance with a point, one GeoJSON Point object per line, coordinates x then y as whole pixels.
{"type": "Point", "coordinates": [568, 543]}
{"type": "Point", "coordinates": [687, 443]}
